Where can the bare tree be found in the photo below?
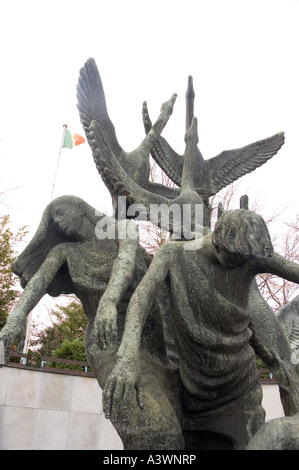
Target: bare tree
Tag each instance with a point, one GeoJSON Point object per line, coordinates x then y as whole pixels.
{"type": "Point", "coordinates": [276, 291]}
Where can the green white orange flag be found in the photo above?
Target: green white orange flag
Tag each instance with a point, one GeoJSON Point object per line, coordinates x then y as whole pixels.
{"type": "Point", "coordinates": [71, 140]}
{"type": "Point", "coordinates": [78, 139]}
{"type": "Point", "coordinates": [68, 140]}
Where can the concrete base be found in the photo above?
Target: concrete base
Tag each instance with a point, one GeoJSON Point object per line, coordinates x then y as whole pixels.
{"type": "Point", "coordinates": [47, 411]}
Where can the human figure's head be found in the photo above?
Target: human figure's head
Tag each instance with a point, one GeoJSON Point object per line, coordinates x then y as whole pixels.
{"type": "Point", "coordinates": [239, 235]}
{"type": "Point", "coordinates": [67, 218]}
{"type": "Point", "coordinates": [73, 218]}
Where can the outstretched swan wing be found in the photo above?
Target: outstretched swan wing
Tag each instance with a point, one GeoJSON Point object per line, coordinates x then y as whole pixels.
{"type": "Point", "coordinates": [230, 165]}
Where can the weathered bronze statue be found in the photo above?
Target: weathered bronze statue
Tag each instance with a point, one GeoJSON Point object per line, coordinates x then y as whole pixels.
{"type": "Point", "coordinates": [172, 337]}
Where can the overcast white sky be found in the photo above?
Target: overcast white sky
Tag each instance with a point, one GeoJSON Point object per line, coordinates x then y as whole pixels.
{"type": "Point", "coordinates": [243, 56]}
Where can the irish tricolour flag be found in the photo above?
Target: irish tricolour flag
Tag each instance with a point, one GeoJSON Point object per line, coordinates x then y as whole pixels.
{"type": "Point", "coordinates": [70, 140]}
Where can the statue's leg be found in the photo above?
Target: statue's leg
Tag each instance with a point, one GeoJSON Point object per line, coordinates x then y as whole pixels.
{"type": "Point", "coordinates": [157, 425]}
{"type": "Point", "coordinates": [227, 426]}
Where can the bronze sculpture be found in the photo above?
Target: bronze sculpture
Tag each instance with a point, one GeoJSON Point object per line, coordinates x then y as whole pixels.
{"type": "Point", "coordinates": [205, 300]}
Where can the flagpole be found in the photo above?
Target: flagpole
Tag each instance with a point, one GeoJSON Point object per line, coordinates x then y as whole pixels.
{"type": "Point", "coordinates": [58, 159]}
{"type": "Point", "coordinates": [29, 319]}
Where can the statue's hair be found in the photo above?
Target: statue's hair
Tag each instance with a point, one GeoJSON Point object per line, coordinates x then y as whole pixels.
{"type": "Point", "coordinates": [242, 232]}
{"type": "Point", "coordinates": [77, 202]}
{"type": "Point", "coordinates": [46, 237]}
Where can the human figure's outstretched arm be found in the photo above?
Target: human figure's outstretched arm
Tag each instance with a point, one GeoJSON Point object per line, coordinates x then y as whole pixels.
{"type": "Point", "coordinates": [125, 377]}
{"type": "Point", "coordinates": [15, 327]}
{"type": "Point", "coordinates": [279, 266]}
{"type": "Point", "coordinates": [122, 272]}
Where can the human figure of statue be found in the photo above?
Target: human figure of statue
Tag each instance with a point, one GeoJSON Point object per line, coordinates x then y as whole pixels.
{"type": "Point", "coordinates": [212, 397]}
{"type": "Point", "coordinates": [209, 291]}
{"type": "Point", "coordinates": [193, 409]}
{"type": "Point", "coordinates": [66, 256]}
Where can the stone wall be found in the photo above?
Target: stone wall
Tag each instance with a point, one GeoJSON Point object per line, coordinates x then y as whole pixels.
{"type": "Point", "coordinates": [47, 411]}
{"type": "Point", "coordinates": [271, 401]}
